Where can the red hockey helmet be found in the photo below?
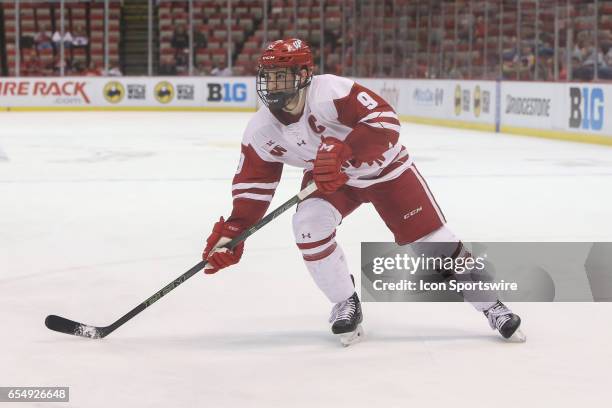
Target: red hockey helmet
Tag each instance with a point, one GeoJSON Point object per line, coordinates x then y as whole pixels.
{"type": "Point", "coordinates": [279, 71]}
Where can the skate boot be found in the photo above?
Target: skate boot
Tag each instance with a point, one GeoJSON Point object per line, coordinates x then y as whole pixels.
{"type": "Point", "coordinates": [346, 318]}
{"type": "Point", "coordinates": [507, 323]}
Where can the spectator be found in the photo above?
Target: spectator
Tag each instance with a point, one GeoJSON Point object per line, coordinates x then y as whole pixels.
{"type": "Point", "coordinates": [450, 68]}
{"type": "Point", "coordinates": [466, 28]}
{"type": "Point", "coordinates": [218, 71]}
{"type": "Point", "coordinates": [591, 56]}
{"type": "Point", "coordinates": [92, 70]}
{"type": "Point", "coordinates": [605, 70]}
{"type": "Point", "coordinates": [31, 66]}
{"type": "Point", "coordinates": [113, 72]}
{"type": "Point", "coordinates": [331, 38]}
{"type": "Point", "coordinates": [584, 60]}
{"type": "Point", "coordinates": [76, 68]}
{"type": "Point", "coordinates": [512, 51]}
{"type": "Point", "coordinates": [180, 43]}
{"type": "Point", "coordinates": [58, 39]}
{"type": "Point", "coordinates": [598, 56]}
{"type": "Point", "coordinates": [562, 65]}
{"type": "Point", "coordinates": [607, 52]}
{"type": "Point", "coordinates": [508, 65]}
{"type": "Point", "coordinates": [527, 62]}
{"type": "Point", "coordinates": [316, 56]}
{"type": "Point", "coordinates": [546, 67]}
{"type": "Point", "coordinates": [80, 37]}
{"type": "Point", "coordinates": [215, 71]}
{"type": "Point", "coordinates": [201, 69]}
{"type": "Point", "coordinates": [573, 65]}
{"type": "Point", "coordinates": [26, 41]}
{"type": "Point", "coordinates": [200, 37]}
{"type": "Point", "coordinates": [182, 62]}
{"type": "Point", "coordinates": [480, 27]}
{"type": "Point", "coordinates": [42, 39]}
{"type": "Point", "coordinates": [167, 66]}
{"type": "Point", "coordinates": [180, 38]}
{"type": "Point", "coordinates": [227, 71]}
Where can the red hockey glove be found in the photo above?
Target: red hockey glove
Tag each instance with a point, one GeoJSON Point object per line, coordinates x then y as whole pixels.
{"type": "Point", "coordinates": [327, 172]}
{"type": "Point", "coordinates": [218, 257]}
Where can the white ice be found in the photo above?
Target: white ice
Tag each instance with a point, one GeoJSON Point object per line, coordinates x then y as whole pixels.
{"type": "Point", "coordinates": [100, 210]}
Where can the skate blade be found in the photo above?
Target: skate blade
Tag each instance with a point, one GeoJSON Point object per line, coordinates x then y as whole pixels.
{"type": "Point", "coordinates": [518, 337]}
{"type": "Point", "coordinates": [346, 339]}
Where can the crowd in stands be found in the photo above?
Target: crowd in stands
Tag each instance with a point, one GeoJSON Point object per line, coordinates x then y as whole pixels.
{"type": "Point", "coordinates": [177, 63]}
{"type": "Point", "coordinates": [38, 53]}
{"type": "Point", "coordinates": [45, 49]}
{"type": "Point", "coordinates": [584, 58]}
{"type": "Point", "coordinates": [400, 38]}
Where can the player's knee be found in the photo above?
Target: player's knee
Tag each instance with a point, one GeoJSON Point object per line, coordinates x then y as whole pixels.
{"type": "Point", "coordinates": [439, 243]}
{"type": "Point", "coordinates": [314, 220]}
{"type": "Point", "coordinates": [442, 234]}
{"type": "Point", "coordinates": [442, 244]}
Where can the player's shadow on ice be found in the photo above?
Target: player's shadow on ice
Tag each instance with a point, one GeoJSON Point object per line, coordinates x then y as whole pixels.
{"type": "Point", "coordinates": [428, 337]}
{"type": "Point", "coordinates": [276, 339]}
{"type": "Point", "coordinates": [235, 340]}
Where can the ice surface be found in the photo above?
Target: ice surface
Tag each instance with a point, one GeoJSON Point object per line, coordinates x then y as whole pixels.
{"type": "Point", "coordinates": [100, 210]}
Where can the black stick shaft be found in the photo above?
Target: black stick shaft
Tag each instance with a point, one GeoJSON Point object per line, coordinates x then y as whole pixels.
{"type": "Point", "coordinates": [200, 265]}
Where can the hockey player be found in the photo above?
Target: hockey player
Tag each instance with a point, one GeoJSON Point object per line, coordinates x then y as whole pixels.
{"type": "Point", "coordinates": [345, 137]}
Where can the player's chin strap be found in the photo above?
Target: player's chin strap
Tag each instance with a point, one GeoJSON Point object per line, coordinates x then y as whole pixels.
{"type": "Point", "coordinates": [300, 102]}
{"type": "Point", "coordinates": [63, 325]}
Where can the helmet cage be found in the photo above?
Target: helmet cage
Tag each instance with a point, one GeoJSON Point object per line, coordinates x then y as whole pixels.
{"type": "Point", "coordinates": [285, 89]}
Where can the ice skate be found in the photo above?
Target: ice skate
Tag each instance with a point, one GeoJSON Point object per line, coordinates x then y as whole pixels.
{"type": "Point", "coordinates": [346, 318]}
{"type": "Point", "coordinates": [507, 323]}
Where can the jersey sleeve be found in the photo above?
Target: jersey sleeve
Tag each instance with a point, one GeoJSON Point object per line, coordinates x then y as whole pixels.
{"type": "Point", "coordinates": [253, 186]}
{"type": "Point", "coordinates": [374, 124]}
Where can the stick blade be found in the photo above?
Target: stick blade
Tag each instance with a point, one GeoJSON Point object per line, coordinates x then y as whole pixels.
{"type": "Point", "coordinates": [67, 326]}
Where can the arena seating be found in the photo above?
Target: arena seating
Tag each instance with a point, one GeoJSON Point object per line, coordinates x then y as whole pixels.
{"type": "Point", "coordinates": [36, 17]}
{"type": "Point", "coordinates": [389, 38]}
{"type": "Point", "coordinates": [211, 31]}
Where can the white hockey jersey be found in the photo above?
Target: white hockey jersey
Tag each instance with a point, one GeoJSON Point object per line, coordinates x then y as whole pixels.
{"type": "Point", "coordinates": [334, 107]}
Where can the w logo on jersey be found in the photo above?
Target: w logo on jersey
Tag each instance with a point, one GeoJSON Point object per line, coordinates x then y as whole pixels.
{"type": "Point", "coordinates": [326, 147]}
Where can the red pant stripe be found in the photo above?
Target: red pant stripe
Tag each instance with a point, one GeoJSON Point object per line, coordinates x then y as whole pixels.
{"type": "Point", "coordinates": [434, 203]}
{"type": "Point", "coordinates": [311, 245]}
{"type": "Point", "coordinates": [320, 255]}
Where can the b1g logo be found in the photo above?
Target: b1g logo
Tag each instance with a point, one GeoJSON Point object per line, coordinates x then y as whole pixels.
{"type": "Point", "coordinates": [227, 92]}
{"type": "Point", "coordinates": [586, 108]}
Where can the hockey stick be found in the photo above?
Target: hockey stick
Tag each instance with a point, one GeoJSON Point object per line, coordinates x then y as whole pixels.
{"type": "Point", "coordinates": [63, 325]}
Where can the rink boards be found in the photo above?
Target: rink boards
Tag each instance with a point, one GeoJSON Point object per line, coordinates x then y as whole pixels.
{"type": "Point", "coordinates": [570, 111]}
{"type": "Point", "coordinates": [128, 93]}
